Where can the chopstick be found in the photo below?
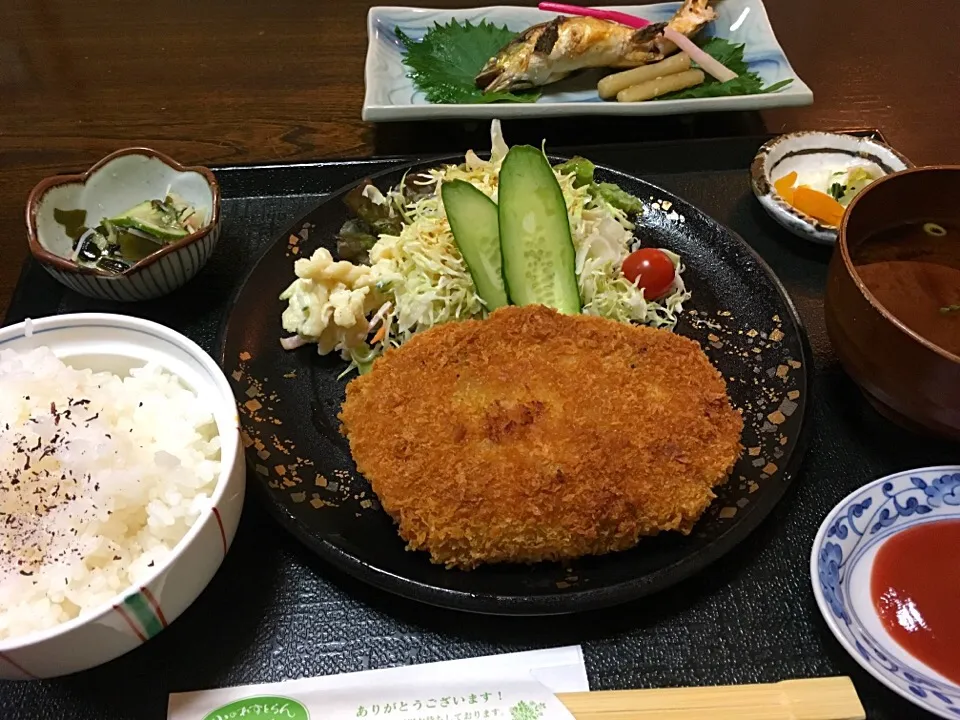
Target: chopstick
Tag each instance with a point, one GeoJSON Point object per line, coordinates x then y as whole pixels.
{"type": "Point", "coordinates": [832, 698]}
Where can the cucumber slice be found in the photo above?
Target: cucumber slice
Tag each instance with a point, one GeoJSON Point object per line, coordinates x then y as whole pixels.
{"type": "Point", "coordinates": [476, 230]}
{"type": "Point", "coordinates": [154, 218]}
{"type": "Point", "coordinates": [539, 261]}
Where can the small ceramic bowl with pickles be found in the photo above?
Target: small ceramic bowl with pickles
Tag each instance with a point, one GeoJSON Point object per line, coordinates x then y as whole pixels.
{"type": "Point", "coordinates": [136, 226]}
{"type": "Point", "coordinates": [805, 180]}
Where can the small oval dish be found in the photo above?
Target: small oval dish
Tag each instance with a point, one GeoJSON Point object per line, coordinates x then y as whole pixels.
{"type": "Point", "coordinates": [815, 157]}
{"type": "Point", "coordinates": [841, 566]}
{"type": "Point", "coordinates": [123, 180]}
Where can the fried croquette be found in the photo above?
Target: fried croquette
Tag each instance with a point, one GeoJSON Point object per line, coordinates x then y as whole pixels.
{"type": "Point", "coordinates": [533, 436]}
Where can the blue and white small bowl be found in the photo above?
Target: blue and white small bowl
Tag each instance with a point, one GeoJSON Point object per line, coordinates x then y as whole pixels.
{"type": "Point", "coordinates": [841, 565]}
{"type": "Point", "coordinates": [116, 183]}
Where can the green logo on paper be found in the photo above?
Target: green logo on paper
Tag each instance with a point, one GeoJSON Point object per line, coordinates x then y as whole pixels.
{"type": "Point", "coordinates": [261, 708]}
{"type": "Point", "coordinates": [527, 710]}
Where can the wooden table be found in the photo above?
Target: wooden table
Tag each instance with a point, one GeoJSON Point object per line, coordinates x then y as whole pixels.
{"type": "Point", "coordinates": [220, 81]}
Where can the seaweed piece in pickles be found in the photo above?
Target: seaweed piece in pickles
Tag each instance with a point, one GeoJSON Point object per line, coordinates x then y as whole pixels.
{"type": "Point", "coordinates": [119, 242]}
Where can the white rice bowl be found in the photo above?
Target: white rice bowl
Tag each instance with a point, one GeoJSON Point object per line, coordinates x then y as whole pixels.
{"type": "Point", "coordinates": [101, 476]}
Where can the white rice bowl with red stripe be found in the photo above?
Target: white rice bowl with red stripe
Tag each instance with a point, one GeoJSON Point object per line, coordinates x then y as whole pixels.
{"type": "Point", "coordinates": [100, 477]}
{"type": "Point", "coordinates": [122, 482]}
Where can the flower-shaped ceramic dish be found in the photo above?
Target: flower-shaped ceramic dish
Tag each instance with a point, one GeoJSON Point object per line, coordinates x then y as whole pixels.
{"type": "Point", "coordinates": [814, 153]}
{"type": "Point", "coordinates": [841, 564]}
{"type": "Point", "coordinates": [117, 343]}
{"type": "Point", "coordinates": [118, 182]}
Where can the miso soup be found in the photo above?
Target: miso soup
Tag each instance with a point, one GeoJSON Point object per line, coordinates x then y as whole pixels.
{"type": "Point", "coordinates": [913, 270]}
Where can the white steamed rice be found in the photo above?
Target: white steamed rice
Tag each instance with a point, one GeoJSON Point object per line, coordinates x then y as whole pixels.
{"type": "Point", "coordinates": [100, 477]}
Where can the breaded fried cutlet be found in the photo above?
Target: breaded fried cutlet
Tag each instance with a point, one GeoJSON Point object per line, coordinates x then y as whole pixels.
{"type": "Point", "coordinates": [535, 436]}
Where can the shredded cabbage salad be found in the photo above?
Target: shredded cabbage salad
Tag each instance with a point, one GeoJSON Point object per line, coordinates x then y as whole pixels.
{"type": "Point", "coordinates": [421, 280]}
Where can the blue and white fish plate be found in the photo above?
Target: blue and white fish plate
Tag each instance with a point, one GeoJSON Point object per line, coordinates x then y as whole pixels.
{"type": "Point", "coordinates": [391, 95]}
{"type": "Point", "coordinates": [841, 564]}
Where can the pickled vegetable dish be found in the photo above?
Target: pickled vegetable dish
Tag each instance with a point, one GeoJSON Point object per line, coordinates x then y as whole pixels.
{"type": "Point", "coordinates": [119, 242]}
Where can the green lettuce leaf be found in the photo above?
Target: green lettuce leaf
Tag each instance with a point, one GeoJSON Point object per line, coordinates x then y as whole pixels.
{"type": "Point", "coordinates": [583, 172]}
{"type": "Point", "coordinates": [581, 168]}
{"type": "Point", "coordinates": [620, 199]}
{"type": "Point", "coordinates": [445, 63]}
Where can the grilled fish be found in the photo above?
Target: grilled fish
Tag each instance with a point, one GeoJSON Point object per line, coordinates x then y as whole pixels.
{"type": "Point", "coordinates": [550, 51]}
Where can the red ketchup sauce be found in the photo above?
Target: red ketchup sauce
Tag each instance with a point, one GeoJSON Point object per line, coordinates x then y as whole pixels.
{"type": "Point", "coordinates": [915, 586]}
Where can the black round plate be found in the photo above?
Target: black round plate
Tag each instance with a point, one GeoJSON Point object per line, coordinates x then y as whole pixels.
{"type": "Point", "coordinates": [289, 401]}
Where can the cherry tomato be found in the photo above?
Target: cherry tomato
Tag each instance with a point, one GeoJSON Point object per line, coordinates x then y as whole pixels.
{"type": "Point", "coordinates": [653, 268]}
